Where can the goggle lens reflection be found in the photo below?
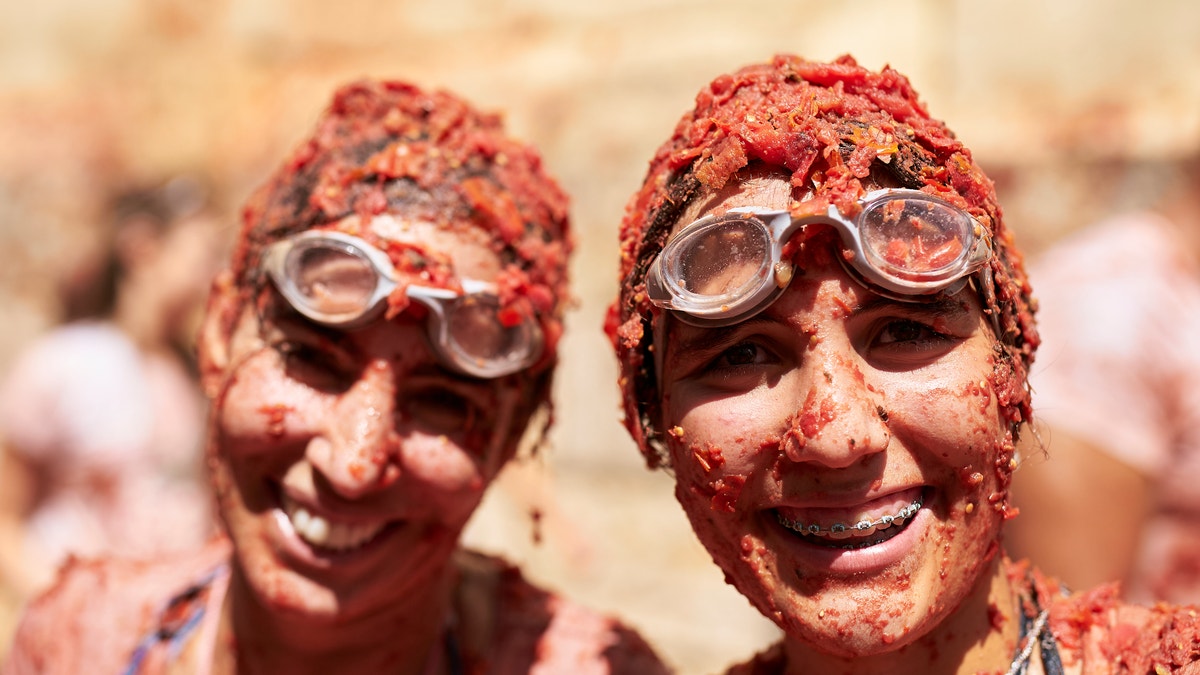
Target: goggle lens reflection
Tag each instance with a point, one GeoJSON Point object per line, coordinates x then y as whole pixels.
{"type": "Point", "coordinates": [723, 259]}
{"type": "Point", "coordinates": [331, 280]}
{"type": "Point", "coordinates": [914, 239]}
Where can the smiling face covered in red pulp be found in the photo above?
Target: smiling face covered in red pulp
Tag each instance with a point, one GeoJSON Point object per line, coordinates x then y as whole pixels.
{"type": "Point", "coordinates": [844, 456]}
{"type": "Point", "coordinates": [834, 407]}
{"type": "Point", "coordinates": [346, 463]}
{"type": "Point", "coordinates": [347, 458]}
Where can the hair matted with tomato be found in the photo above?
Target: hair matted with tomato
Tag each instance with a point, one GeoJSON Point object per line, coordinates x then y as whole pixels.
{"type": "Point", "coordinates": [830, 125]}
{"type": "Point", "coordinates": [391, 147]}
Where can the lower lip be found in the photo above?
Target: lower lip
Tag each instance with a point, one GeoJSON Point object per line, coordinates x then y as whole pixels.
{"type": "Point", "coordinates": [868, 560]}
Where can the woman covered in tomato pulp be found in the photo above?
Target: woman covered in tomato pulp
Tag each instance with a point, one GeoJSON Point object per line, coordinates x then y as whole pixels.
{"type": "Point", "coordinates": [824, 331]}
{"type": "Point", "coordinates": [383, 337]}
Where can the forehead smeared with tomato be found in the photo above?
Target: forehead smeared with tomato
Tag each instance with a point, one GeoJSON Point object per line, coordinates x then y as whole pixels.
{"type": "Point", "coordinates": [832, 127]}
{"type": "Point", "coordinates": [389, 147]}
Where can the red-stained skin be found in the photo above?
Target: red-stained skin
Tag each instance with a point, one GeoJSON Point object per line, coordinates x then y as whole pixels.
{"type": "Point", "coordinates": [797, 424]}
{"type": "Point", "coordinates": [276, 414]}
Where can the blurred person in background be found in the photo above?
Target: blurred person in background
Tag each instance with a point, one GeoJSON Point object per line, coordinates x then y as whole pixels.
{"type": "Point", "coordinates": [101, 416]}
{"type": "Point", "coordinates": [1116, 492]}
{"type": "Point", "coordinates": [381, 345]}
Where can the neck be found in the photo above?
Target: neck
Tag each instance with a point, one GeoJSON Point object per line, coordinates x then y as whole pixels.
{"type": "Point", "coordinates": [253, 639]}
{"type": "Point", "coordinates": [979, 636]}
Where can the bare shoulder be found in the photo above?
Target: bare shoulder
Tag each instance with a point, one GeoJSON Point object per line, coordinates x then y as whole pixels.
{"type": "Point", "coordinates": [95, 612]}
{"type": "Point", "coordinates": [520, 628]}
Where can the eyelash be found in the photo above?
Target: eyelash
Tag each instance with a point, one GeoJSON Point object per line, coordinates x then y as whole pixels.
{"type": "Point", "coordinates": [905, 334]}
{"type": "Point", "coordinates": [724, 368]}
{"type": "Point", "coordinates": [724, 359]}
{"type": "Point", "coordinates": [927, 336]}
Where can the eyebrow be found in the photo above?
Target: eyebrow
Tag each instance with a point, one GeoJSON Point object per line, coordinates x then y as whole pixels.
{"type": "Point", "coordinates": [702, 339]}
{"type": "Point", "coordinates": [941, 307]}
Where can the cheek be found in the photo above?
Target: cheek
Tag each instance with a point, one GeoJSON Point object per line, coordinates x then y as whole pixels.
{"type": "Point", "coordinates": [718, 457]}
{"type": "Point", "coordinates": [443, 465]}
{"type": "Point", "coordinates": [705, 481]}
{"type": "Point", "coordinates": [458, 468]}
{"type": "Point", "coordinates": [955, 418]}
{"type": "Point", "coordinates": [728, 434]}
{"type": "Point", "coordinates": [259, 404]}
{"type": "Point", "coordinates": [958, 426]}
{"type": "Point", "coordinates": [708, 491]}
{"type": "Point", "coordinates": [721, 446]}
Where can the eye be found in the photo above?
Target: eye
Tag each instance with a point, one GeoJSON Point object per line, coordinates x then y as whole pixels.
{"type": "Point", "coordinates": [318, 363]}
{"type": "Point", "coordinates": [740, 355]}
{"type": "Point", "coordinates": [909, 343]}
{"type": "Point", "coordinates": [441, 410]}
{"type": "Point", "coordinates": [906, 331]}
{"type": "Point", "coordinates": [739, 367]}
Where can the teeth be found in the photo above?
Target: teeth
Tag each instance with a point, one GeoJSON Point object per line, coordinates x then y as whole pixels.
{"type": "Point", "coordinates": [863, 528]}
{"type": "Point", "coordinates": [320, 532]}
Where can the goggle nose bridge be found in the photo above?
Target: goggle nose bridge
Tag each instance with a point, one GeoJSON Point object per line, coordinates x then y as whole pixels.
{"type": "Point", "coordinates": [782, 227]}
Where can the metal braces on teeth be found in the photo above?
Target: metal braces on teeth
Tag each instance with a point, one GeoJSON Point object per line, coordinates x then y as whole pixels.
{"type": "Point", "coordinates": [862, 528]}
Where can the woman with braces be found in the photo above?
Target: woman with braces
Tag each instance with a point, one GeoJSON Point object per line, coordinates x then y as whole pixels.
{"type": "Point", "coordinates": [825, 331]}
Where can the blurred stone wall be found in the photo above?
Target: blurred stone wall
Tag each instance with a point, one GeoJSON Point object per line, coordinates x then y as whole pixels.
{"type": "Point", "coordinates": [98, 93]}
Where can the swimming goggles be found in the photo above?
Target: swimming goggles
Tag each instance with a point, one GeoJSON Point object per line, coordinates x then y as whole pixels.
{"type": "Point", "coordinates": [341, 281]}
{"type": "Point", "coordinates": [906, 244]}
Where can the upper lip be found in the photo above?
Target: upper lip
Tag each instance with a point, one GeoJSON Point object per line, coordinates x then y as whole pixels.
{"type": "Point", "coordinates": [349, 513]}
{"type": "Point", "coordinates": [844, 501]}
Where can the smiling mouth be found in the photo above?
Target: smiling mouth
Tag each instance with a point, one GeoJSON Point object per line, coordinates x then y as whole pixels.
{"type": "Point", "coordinates": [320, 532]}
{"type": "Point", "coordinates": [860, 534]}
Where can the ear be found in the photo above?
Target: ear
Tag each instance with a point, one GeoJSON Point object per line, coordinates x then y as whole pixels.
{"type": "Point", "coordinates": [216, 331]}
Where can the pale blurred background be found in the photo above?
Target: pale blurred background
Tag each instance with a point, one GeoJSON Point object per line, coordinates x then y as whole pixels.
{"type": "Point", "coordinates": [1053, 98]}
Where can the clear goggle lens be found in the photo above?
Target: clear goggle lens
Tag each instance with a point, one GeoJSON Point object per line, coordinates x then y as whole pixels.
{"type": "Point", "coordinates": [724, 260]}
{"type": "Point", "coordinates": [340, 281]}
{"type": "Point", "coordinates": [916, 239]}
{"type": "Point", "coordinates": [332, 281]}
{"type": "Point", "coordinates": [904, 243]}
{"type": "Point", "coordinates": [477, 337]}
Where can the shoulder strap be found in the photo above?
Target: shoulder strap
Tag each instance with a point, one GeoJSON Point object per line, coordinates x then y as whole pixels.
{"type": "Point", "coordinates": [177, 621]}
{"type": "Point", "coordinates": [1046, 644]}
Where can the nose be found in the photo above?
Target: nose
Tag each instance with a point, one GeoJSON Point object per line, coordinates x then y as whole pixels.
{"type": "Point", "coordinates": [840, 420]}
{"type": "Point", "coordinates": [358, 452]}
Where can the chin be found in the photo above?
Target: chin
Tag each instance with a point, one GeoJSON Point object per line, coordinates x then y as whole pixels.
{"type": "Point", "coordinates": [853, 616]}
{"type": "Point", "coordinates": [856, 633]}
